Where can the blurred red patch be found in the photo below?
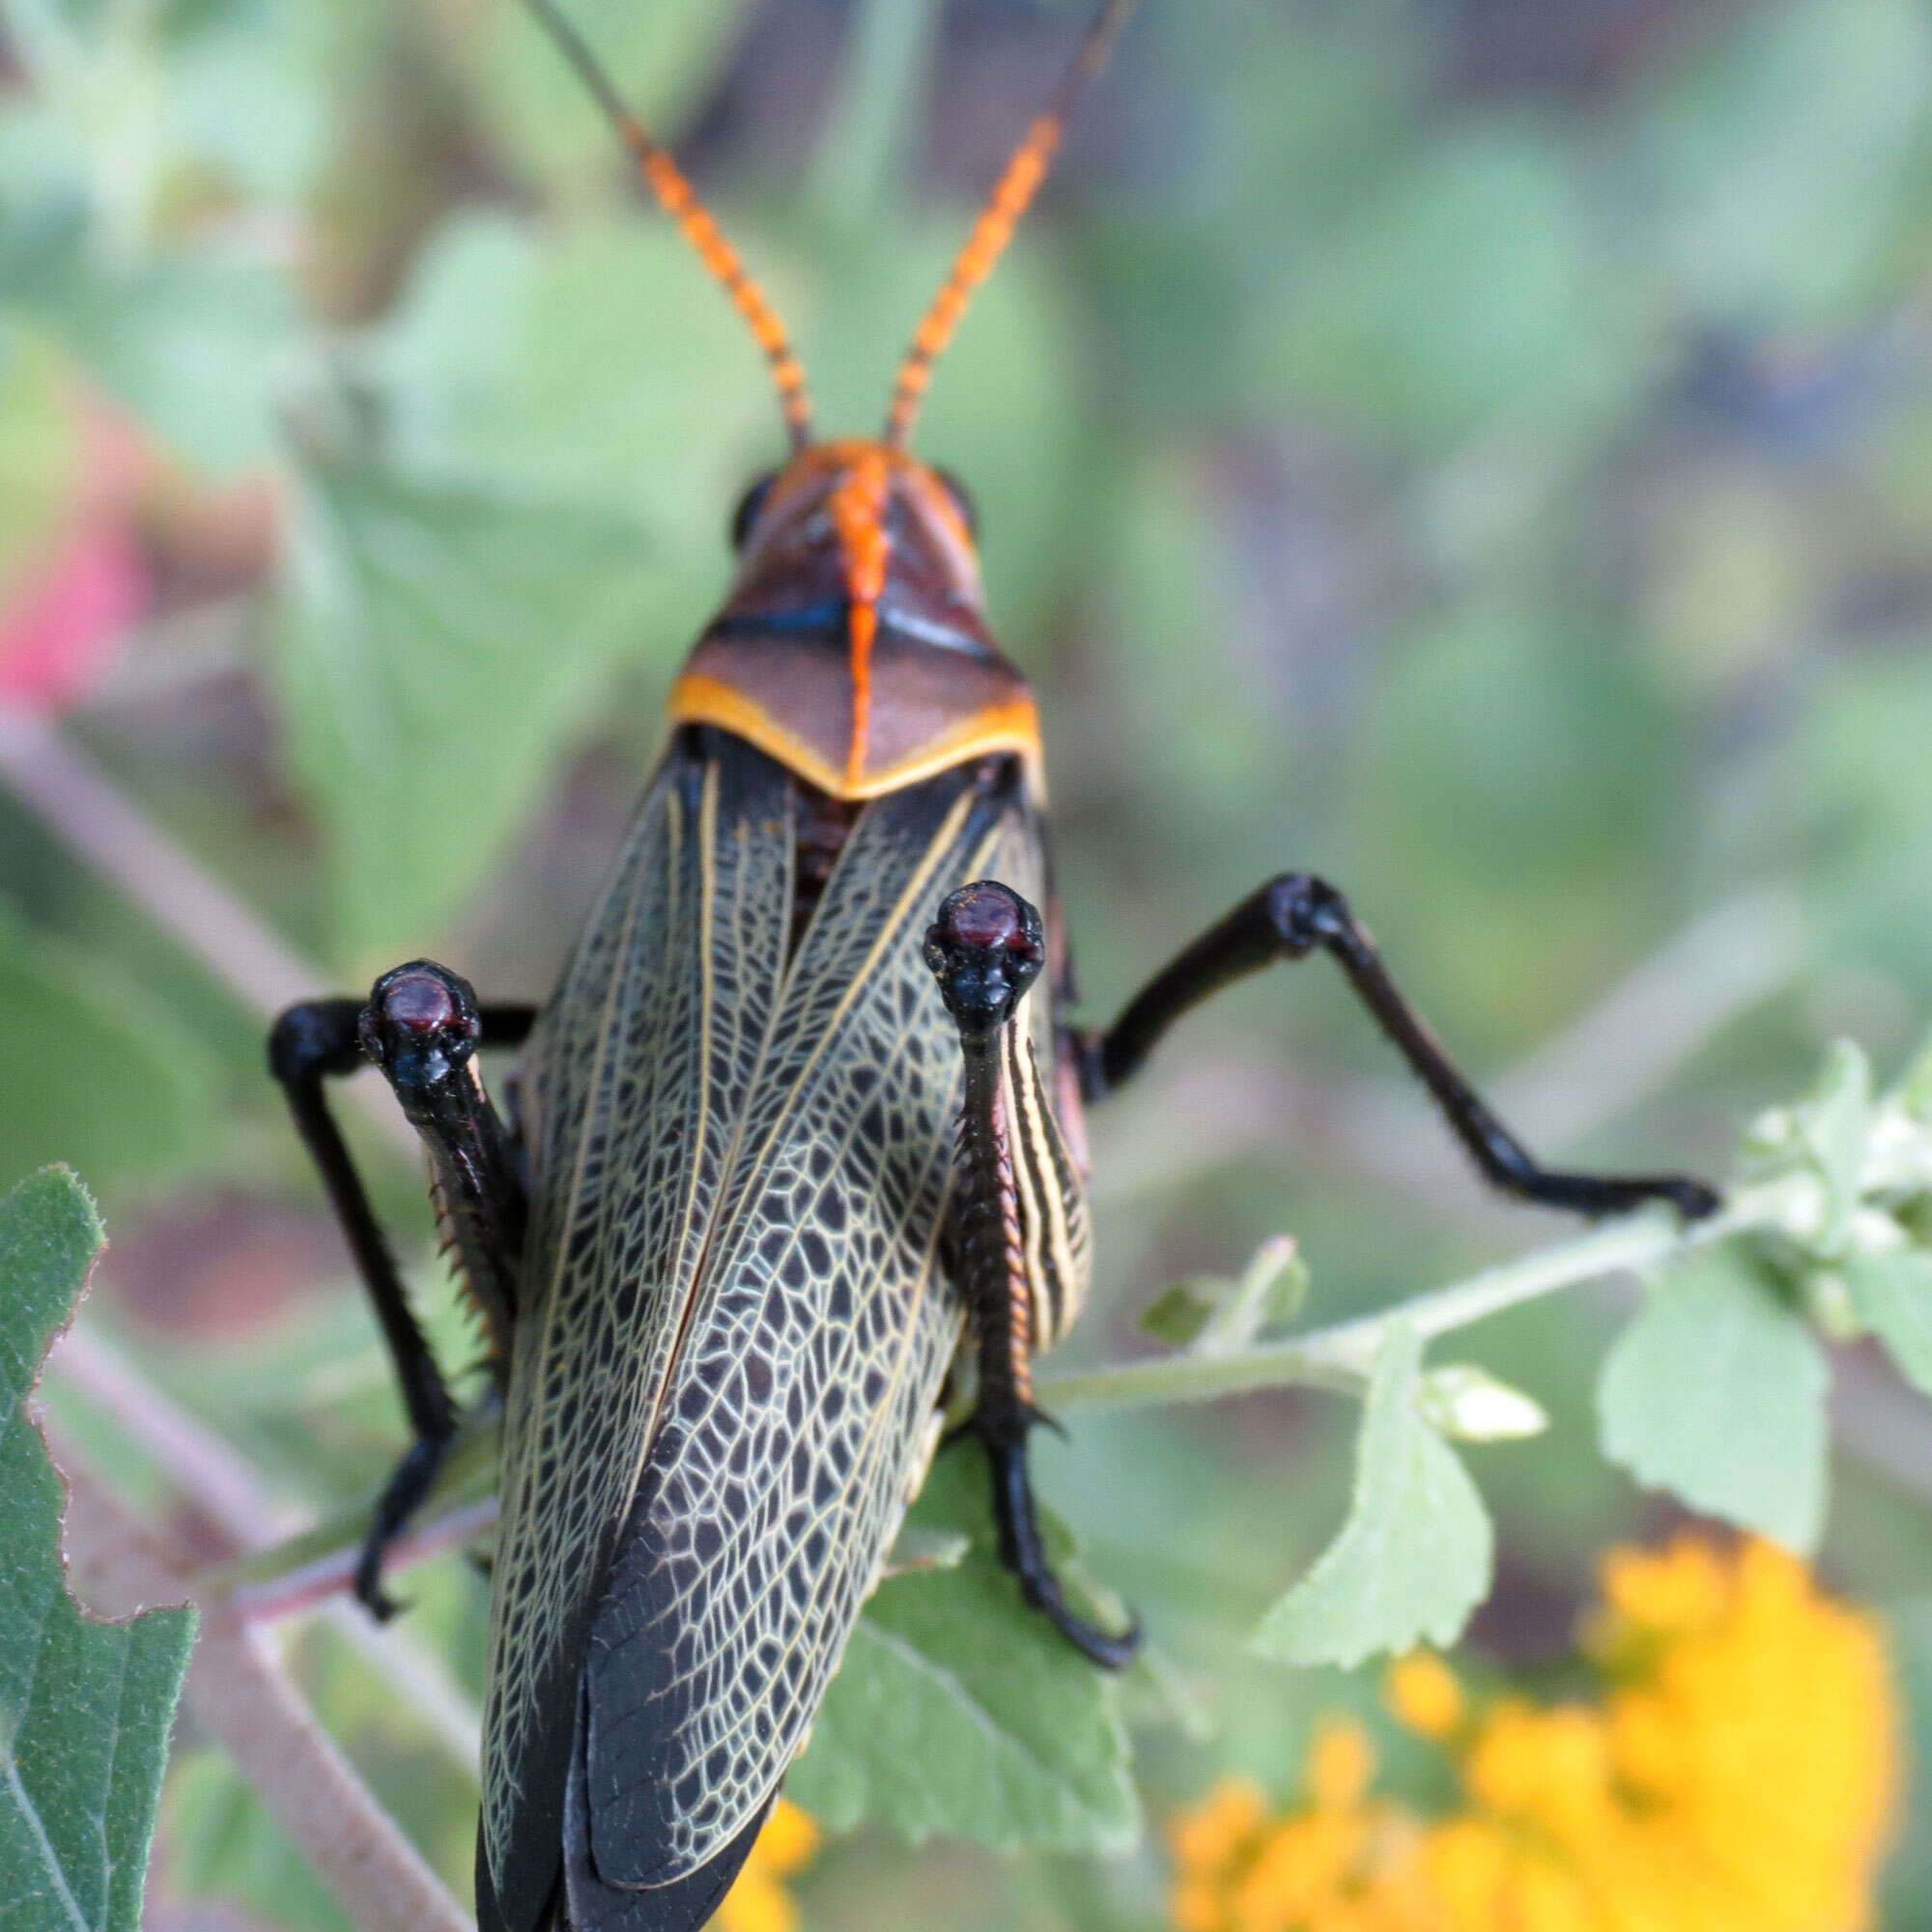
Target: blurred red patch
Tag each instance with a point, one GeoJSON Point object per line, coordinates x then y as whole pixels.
{"type": "Point", "coordinates": [63, 621]}
{"type": "Point", "coordinates": [63, 615]}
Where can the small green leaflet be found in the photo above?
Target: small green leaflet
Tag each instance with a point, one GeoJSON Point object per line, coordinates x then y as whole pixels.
{"type": "Point", "coordinates": [1413, 1558]}
{"type": "Point", "coordinates": [959, 1711]}
{"type": "Point", "coordinates": [1892, 1294]}
{"type": "Point", "coordinates": [85, 1707]}
{"type": "Point", "coordinates": [1716, 1392]}
{"type": "Point", "coordinates": [1179, 1312]}
{"type": "Point", "coordinates": [1217, 1316]}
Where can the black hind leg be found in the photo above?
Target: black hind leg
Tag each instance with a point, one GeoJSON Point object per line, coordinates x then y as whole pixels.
{"type": "Point", "coordinates": [1288, 919]}
{"type": "Point", "coordinates": [987, 948]}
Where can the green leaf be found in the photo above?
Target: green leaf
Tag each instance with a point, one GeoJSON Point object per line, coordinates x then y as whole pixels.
{"type": "Point", "coordinates": [593, 363]}
{"type": "Point", "coordinates": [663, 58]}
{"type": "Point", "coordinates": [1913, 1090]}
{"type": "Point", "coordinates": [1835, 1122]}
{"type": "Point", "coordinates": [1270, 1295]}
{"type": "Point", "coordinates": [958, 1710]}
{"type": "Point", "coordinates": [85, 1707]}
{"type": "Point", "coordinates": [443, 645]}
{"type": "Point", "coordinates": [1469, 295]}
{"type": "Point", "coordinates": [1413, 1558]}
{"type": "Point", "coordinates": [193, 343]}
{"type": "Point", "coordinates": [1716, 1392]}
{"type": "Point", "coordinates": [1892, 1294]}
{"type": "Point", "coordinates": [1781, 165]}
{"type": "Point", "coordinates": [96, 1073]}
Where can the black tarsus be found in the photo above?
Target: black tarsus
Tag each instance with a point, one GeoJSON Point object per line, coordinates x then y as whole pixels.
{"type": "Point", "coordinates": [1023, 1549]}
{"type": "Point", "coordinates": [1288, 919]}
{"type": "Point", "coordinates": [986, 947]}
{"type": "Point", "coordinates": [422, 1026]}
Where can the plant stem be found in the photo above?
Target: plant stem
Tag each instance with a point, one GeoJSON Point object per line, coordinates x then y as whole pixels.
{"type": "Point", "coordinates": [1340, 1357]}
{"type": "Point", "coordinates": [289, 1576]}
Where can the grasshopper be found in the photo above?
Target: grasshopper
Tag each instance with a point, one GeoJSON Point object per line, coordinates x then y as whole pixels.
{"type": "Point", "coordinates": [800, 1124]}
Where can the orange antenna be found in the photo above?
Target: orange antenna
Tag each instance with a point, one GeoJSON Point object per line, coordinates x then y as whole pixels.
{"type": "Point", "coordinates": [1026, 168]}
{"type": "Point", "coordinates": [679, 200]}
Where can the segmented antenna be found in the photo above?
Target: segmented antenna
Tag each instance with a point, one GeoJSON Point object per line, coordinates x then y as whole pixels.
{"type": "Point", "coordinates": [679, 200]}
{"type": "Point", "coordinates": [1026, 168]}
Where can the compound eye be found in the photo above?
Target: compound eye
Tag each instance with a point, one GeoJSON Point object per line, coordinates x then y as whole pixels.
{"type": "Point", "coordinates": [963, 501]}
{"type": "Point", "coordinates": [749, 505]}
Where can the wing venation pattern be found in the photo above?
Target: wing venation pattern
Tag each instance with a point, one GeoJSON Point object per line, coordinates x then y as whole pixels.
{"type": "Point", "coordinates": [632, 1084]}
{"type": "Point", "coordinates": [797, 1412]}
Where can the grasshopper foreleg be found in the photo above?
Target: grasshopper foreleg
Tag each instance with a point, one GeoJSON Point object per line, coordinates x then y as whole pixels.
{"type": "Point", "coordinates": [1290, 918]}
{"type": "Point", "coordinates": [422, 1026]}
{"type": "Point", "coordinates": [987, 948]}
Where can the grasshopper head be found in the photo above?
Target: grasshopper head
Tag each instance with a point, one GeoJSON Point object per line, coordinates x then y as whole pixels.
{"type": "Point", "coordinates": [853, 646]}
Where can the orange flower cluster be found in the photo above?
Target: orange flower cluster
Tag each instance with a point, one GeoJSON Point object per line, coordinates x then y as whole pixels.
{"type": "Point", "coordinates": [1737, 1773]}
{"type": "Point", "coordinates": [759, 1901]}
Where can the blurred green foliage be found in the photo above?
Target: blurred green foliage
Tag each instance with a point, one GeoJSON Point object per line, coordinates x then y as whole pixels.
{"type": "Point", "coordinates": [1478, 451]}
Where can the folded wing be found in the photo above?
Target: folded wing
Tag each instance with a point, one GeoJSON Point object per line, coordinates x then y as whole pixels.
{"type": "Point", "coordinates": [737, 1325]}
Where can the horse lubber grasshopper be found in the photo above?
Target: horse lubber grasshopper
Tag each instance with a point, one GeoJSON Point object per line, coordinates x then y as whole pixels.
{"type": "Point", "coordinates": [804, 1111]}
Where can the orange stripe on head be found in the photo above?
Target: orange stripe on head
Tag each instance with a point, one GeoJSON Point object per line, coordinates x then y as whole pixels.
{"type": "Point", "coordinates": [858, 508]}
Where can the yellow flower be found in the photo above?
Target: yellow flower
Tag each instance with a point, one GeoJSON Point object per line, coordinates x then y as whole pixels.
{"type": "Point", "coordinates": [1340, 1865]}
{"type": "Point", "coordinates": [1758, 1717]}
{"type": "Point", "coordinates": [1211, 1838]}
{"type": "Point", "coordinates": [1341, 1764]}
{"type": "Point", "coordinates": [759, 1902]}
{"type": "Point", "coordinates": [1423, 1695]}
{"type": "Point", "coordinates": [1737, 1771]}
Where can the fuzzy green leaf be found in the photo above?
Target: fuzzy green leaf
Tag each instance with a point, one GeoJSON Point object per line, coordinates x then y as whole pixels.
{"type": "Point", "coordinates": [444, 643]}
{"type": "Point", "coordinates": [1403, 322]}
{"type": "Point", "coordinates": [1716, 1392]}
{"type": "Point", "coordinates": [85, 1707]}
{"type": "Point", "coordinates": [1892, 1294]}
{"type": "Point", "coordinates": [193, 342]}
{"type": "Point", "coordinates": [960, 1711]}
{"type": "Point", "coordinates": [1412, 1561]}
{"type": "Point", "coordinates": [1835, 1122]}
